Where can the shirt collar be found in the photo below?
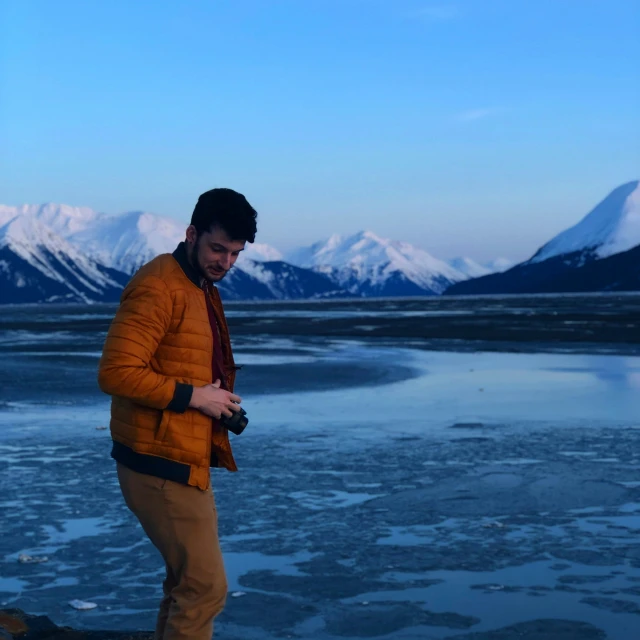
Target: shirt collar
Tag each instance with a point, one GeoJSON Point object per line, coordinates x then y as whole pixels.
{"type": "Point", "coordinates": [180, 254]}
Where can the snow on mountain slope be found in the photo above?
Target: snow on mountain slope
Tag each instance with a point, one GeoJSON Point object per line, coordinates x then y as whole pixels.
{"type": "Point", "coordinates": [285, 281]}
{"type": "Point", "coordinates": [612, 227]}
{"type": "Point", "coordinates": [600, 253]}
{"type": "Point", "coordinates": [365, 261]}
{"type": "Point", "coordinates": [38, 246]}
{"type": "Point", "coordinates": [62, 219]}
{"type": "Point", "coordinates": [7, 214]}
{"type": "Point", "coordinates": [129, 240]}
{"type": "Point", "coordinates": [57, 252]}
{"type": "Point", "coordinates": [470, 268]}
{"type": "Point", "coordinates": [473, 269]}
{"type": "Point", "coordinates": [499, 265]}
{"type": "Point", "coordinates": [123, 241]}
{"type": "Point", "coordinates": [259, 252]}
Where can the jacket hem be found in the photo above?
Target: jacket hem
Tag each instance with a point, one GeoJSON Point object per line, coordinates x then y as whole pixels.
{"type": "Point", "coordinates": [151, 465]}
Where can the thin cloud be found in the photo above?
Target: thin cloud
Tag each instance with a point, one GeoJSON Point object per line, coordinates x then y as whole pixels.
{"type": "Point", "coordinates": [478, 114]}
{"type": "Point", "coordinates": [438, 12]}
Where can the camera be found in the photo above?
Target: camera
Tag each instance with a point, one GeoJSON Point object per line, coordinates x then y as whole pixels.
{"type": "Point", "coordinates": [237, 422]}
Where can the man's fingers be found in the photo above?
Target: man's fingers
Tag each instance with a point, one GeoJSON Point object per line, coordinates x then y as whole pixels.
{"type": "Point", "coordinates": [217, 383]}
{"type": "Point", "coordinates": [235, 398]}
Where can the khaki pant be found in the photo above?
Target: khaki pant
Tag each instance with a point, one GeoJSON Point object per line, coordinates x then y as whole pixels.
{"type": "Point", "coordinates": [182, 523]}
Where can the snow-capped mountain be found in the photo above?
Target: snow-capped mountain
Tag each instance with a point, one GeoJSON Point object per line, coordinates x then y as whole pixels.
{"type": "Point", "coordinates": [37, 265]}
{"type": "Point", "coordinates": [612, 227]}
{"type": "Point", "coordinates": [128, 241]}
{"type": "Point", "coordinates": [600, 253]}
{"type": "Point", "coordinates": [122, 242]}
{"type": "Point", "coordinates": [365, 264]}
{"type": "Point", "coordinates": [62, 253]}
{"type": "Point", "coordinates": [75, 254]}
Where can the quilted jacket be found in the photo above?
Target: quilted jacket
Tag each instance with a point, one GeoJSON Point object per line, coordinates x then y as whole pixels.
{"type": "Point", "coordinates": [159, 346]}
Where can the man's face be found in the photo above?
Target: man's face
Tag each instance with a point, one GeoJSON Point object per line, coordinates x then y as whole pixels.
{"type": "Point", "coordinates": [212, 253]}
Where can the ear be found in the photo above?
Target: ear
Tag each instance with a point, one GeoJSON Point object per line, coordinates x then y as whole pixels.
{"type": "Point", "coordinates": [192, 235]}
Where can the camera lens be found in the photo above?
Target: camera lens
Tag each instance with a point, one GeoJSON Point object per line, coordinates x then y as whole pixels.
{"type": "Point", "coordinates": [237, 422]}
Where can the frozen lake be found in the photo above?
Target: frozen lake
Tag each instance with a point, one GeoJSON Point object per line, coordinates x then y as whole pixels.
{"type": "Point", "coordinates": [386, 489]}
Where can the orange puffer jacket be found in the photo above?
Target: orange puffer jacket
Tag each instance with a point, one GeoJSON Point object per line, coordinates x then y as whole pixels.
{"type": "Point", "coordinates": [159, 346]}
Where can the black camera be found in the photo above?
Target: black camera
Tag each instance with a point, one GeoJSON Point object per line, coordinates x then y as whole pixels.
{"type": "Point", "coordinates": [237, 422]}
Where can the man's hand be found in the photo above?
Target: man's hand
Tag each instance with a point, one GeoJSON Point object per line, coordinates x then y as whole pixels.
{"type": "Point", "coordinates": [214, 401]}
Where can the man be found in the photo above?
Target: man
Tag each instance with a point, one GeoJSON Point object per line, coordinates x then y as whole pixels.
{"type": "Point", "coordinates": [168, 364]}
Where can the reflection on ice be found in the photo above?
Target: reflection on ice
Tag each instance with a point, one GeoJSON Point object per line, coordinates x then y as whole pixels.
{"type": "Point", "coordinates": [67, 581]}
{"type": "Point", "coordinates": [13, 585]}
{"type": "Point", "coordinates": [23, 419]}
{"type": "Point", "coordinates": [76, 529]}
{"type": "Point", "coordinates": [483, 388]}
{"type": "Point", "coordinates": [422, 534]}
{"type": "Point", "coordinates": [503, 597]}
{"type": "Point", "coordinates": [320, 500]}
{"type": "Point", "coordinates": [237, 564]}
{"type": "Point", "coordinates": [269, 359]}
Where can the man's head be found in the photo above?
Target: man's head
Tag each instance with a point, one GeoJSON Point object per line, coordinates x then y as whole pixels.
{"type": "Point", "coordinates": [222, 222]}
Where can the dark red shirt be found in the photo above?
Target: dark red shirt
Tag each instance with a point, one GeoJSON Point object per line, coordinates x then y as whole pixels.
{"type": "Point", "coordinates": [217, 362]}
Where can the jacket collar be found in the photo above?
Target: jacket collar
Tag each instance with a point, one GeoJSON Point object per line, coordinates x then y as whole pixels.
{"type": "Point", "coordinates": [180, 254]}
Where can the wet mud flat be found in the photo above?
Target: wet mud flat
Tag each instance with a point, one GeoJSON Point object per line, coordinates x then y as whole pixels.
{"type": "Point", "coordinates": [509, 323]}
{"type": "Point", "coordinates": [397, 481]}
{"type": "Point", "coordinates": [533, 323]}
{"type": "Point", "coordinates": [481, 531]}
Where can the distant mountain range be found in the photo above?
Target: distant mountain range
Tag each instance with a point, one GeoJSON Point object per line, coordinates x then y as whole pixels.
{"type": "Point", "coordinates": [58, 253]}
{"type": "Point", "coordinates": [600, 253]}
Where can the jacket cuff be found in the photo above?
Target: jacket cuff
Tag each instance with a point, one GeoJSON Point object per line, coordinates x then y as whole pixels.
{"type": "Point", "coordinates": [181, 398]}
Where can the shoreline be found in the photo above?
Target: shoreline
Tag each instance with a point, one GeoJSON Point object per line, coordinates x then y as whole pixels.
{"type": "Point", "coordinates": [578, 323]}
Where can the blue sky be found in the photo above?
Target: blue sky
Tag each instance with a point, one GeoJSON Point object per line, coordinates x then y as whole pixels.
{"type": "Point", "coordinates": [471, 127]}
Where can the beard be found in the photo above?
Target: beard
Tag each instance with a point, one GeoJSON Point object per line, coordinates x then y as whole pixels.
{"type": "Point", "coordinates": [206, 272]}
{"type": "Point", "coordinates": [213, 276]}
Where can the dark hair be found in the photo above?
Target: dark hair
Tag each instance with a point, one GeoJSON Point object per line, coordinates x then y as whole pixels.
{"type": "Point", "coordinates": [227, 209]}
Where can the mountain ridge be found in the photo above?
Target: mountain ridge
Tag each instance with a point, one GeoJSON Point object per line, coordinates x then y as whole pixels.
{"type": "Point", "coordinates": [55, 252]}
{"type": "Point", "coordinates": [106, 249]}
{"type": "Point", "coordinates": [598, 253]}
